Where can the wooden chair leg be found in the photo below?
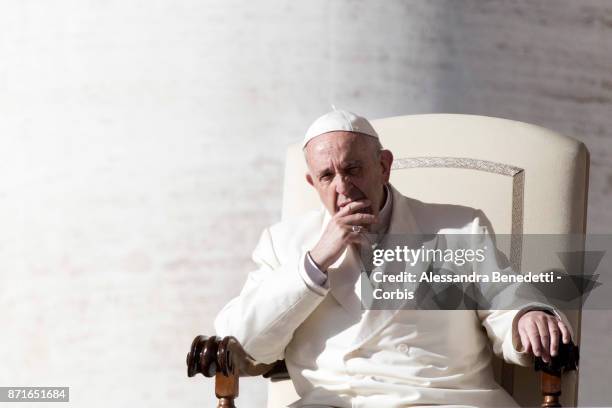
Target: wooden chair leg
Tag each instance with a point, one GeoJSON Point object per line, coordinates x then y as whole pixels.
{"type": "Point", "coordinates": [226, 389]}
{"type": "Point", "coordinates": [551, 373]}
{"type": "Point", "coordinates": [551, 390]}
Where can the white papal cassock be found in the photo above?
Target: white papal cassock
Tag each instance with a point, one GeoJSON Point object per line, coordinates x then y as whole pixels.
{"type": "Point", "coordinates": [342, 356]}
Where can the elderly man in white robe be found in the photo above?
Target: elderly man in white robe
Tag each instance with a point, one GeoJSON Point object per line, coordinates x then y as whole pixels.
{"type": "Point", "coordinates": [303, 303]}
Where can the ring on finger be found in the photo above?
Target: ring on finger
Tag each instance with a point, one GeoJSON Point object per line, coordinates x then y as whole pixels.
{"type": "Point", "coordinates": [356, 228]}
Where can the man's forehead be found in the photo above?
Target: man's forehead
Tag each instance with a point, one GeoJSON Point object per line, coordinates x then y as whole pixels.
{"type": "Point", "coordinates": [338, 142]}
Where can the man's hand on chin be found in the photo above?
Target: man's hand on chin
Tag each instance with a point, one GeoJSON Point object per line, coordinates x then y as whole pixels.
{"type": "Point", "coordinates": [339, 233]}
{"type": "Point", "coordinates": [540, 333]}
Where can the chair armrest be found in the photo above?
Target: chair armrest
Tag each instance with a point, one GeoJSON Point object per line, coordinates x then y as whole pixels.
{"type": "Point", "coordinates": [208, 355]}
{"type": "Point", "coordinates": [226, 360]}
{"type": "Point", "coordinates": [566, 360]}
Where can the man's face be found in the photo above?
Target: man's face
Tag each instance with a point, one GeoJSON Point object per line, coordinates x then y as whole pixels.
{"type": "Point", "coordinates": [344, 167]}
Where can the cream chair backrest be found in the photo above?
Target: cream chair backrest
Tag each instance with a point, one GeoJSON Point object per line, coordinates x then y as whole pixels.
{"type": "Point", "coordinates": [526, 179]}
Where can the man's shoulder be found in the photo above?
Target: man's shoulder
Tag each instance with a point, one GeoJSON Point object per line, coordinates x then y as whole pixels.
{"type": "Point", "coordinates": [297, 229]}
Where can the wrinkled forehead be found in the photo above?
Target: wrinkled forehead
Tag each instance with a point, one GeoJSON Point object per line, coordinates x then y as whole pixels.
{"type": "Point", "coordinates": [338, 145]}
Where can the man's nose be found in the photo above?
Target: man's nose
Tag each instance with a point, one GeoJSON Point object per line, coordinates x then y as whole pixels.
{"type": "Point", "coordinates": [343, 185]}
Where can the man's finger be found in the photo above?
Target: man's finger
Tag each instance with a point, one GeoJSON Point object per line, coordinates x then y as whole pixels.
{"type": "Point", "coordinates": [353, 207]}
{"type": "Point", "coordinates": [544, 338]}
{"type": "Point", "coordinates": [359, 219]}
{"type": "Point", "coordinates": [564, 332]}
{"type": "Point", "coordinates": [554, 337]}
{"type": "Point", "coordinates": [534, 339]}
{"type": "Point", "coordinates": [525, 341]}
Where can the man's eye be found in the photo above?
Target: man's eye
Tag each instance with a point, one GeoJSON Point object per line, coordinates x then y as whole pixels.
{"type": "Point", "coordinates": [325, 177]}
{"type": "Point", "coordinates": [353, 171]}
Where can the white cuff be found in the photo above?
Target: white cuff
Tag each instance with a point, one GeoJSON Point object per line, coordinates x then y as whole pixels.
{"type": "Point", "coordinates": [314, 278]}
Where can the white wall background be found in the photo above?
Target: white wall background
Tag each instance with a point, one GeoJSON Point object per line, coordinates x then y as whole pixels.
{"type": "Point", "coordinates": [142, 143]}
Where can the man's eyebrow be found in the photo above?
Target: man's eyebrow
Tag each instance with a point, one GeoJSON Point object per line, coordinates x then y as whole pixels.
{"type": "Point", "coordinates": [323, 172]}
{"type": "Point", "coordinates": [344, 165]}
{"type": "Point", "coordinates": [351, 163]}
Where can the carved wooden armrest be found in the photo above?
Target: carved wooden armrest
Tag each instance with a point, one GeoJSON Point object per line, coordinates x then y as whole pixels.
{"type": "Point", "coordinates": [226, 360]}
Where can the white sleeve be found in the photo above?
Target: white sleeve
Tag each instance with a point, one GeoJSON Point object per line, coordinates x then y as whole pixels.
{"type": "Point", "coordinates": [501, 323]}
{"type": "Point", "coordinates": [274, 301]}
{"type": "Point", "coordinates": [315, 278]}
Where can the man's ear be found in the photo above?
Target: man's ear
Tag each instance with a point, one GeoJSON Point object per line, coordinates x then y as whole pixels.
{"type": "Point", "coordinates": [309, 179]}
{"type": "Point", "coordinates": [386, 160]}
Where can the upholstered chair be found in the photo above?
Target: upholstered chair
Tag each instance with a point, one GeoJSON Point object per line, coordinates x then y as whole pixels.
{"type": "Point", "coordinates": [526, 180]}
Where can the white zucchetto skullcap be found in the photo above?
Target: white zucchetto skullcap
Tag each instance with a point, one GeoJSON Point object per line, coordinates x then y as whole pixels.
{"type": "Point", "coordinates": [339, 120]}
